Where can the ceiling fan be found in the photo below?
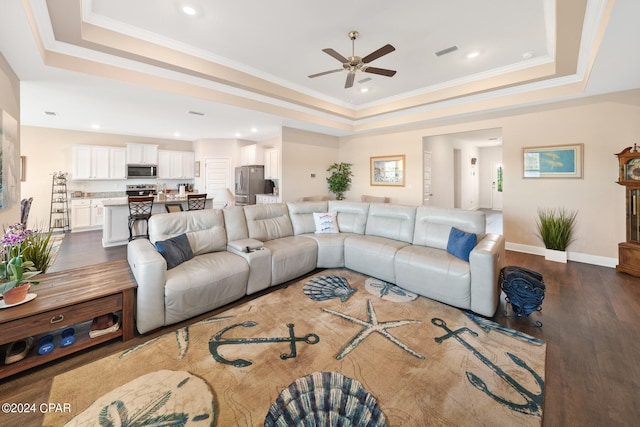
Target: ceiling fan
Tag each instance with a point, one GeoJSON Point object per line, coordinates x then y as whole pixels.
{"type": "Point", "coordinates": [355, 63]}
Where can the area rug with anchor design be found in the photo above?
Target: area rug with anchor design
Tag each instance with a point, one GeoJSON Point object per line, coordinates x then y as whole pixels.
{"type": "Point", "coordinates": [320, 351]}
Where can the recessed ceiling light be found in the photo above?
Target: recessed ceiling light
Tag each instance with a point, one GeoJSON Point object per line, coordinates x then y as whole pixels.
{"type": "Point", "coordinates": [176, 134]}
{"type": "Point", "coordinates": [527, 55]}
{"type": "Point", "coordinates": [364, 89]}
{"type": "Point", "coordinates": [254, 130]}
{"type": "Point", "coordinates": [189, 10]}
{"type": "Point", "coordinates": [472, 55]}
{"type": "Point", "coordinates": [238, 134]}
{"type": "Point", "coordinates": [95, 126]}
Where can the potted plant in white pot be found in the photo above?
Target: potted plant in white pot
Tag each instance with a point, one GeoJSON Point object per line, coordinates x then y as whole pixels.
{"type": "Point", "coordinates": [340, 179]}
{"type": "Point", "coordinates": [556, 228]}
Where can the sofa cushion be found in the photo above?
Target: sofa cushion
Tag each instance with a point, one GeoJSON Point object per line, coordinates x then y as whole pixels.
{"type": "Point", "coordinates": [326, 222]}
{"type": "Point", "coordinates": [433, 225]}
{"type": "Point", "coordinates": [205, 229]}
{"type": "Point", "coordinates": [372, 255]}
{"type": "Point", "coordinates": [203, 283]}
{"type": "Point", "coordinates": [434, 273]}
{"type": "Point", "coordinates": [352, 216]}
{"type": "Point", "coordinates": [391, 221]}
{"type": "Point", "coordinates": [291, 257]}
{"type": "Point", "coordinates": [175, 250]}
{"type": "Point", "coordinates": [268, 221]}
{"type": "Point", "coordinates": [461, 243]}
{"type": "Point", "coordinates": [301, 214]}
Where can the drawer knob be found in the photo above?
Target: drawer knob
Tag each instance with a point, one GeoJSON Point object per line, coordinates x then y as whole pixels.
{"type": "Point", "coordinates": [57, 319]}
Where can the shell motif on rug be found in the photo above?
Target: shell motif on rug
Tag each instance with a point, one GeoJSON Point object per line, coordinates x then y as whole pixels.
{"type": "Point", "coordinates": [325, 399]}
{"type": "Point", "coordinates": [322, 288]}
{"type": "Point", "coordinates": [168, 398]}
{"type": "Point", "coordinates": [388, 291]}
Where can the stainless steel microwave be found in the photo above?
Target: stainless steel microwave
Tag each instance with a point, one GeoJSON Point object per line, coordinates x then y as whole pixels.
{"type": "Point", "coordinates": [142, 171]}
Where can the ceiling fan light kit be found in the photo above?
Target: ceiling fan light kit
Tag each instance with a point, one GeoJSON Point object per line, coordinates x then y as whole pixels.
{"type": "Point", "coordinates": [355, 63]}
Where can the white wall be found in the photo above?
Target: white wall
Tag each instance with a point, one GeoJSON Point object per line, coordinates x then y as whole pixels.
{"type": "Point", "coordinates": [303, 154]}
{"type": "Point", "coordinates": [605, 125]}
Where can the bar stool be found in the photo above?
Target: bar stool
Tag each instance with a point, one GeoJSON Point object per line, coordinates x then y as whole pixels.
{"type": "Point", "coordinates": [196, 202]}
{"type": "Point", "coordinates": [139, 210]}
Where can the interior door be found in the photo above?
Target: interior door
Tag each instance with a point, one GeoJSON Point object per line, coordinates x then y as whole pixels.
{"type": "Point", "coordinates": [217, 172]}
{"type": "Point", "coordinates": [426, 178]}
{"type": "Point", "coordinates": [497, 186]}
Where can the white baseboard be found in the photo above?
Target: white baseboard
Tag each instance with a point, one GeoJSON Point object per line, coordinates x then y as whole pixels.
{"type": "Point", "coordinates": [571, 256]}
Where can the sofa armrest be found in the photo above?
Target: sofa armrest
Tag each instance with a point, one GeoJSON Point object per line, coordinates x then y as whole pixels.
{"type": "Point", "coordinates": [149, 269]}
{"type": "Point", "coordinates": [259, 259]}
{"type": "Point", "coordinates": [485, 261]}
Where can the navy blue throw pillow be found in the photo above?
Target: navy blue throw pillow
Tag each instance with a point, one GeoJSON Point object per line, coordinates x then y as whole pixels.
{"type": "Point", "coordinates": [461, 243]}
{"type": "Point", "coordinates": [175, 250]}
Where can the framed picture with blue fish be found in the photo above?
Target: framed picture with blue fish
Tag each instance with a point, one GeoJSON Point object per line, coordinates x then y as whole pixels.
{"type": "Point", "coordinates": [556, 161]}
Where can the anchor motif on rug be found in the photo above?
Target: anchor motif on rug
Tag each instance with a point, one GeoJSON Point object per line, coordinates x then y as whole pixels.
{"type": "Point", "coordinates": [217, 341]}
{"type": "Point", "coordinates": [533, 403]}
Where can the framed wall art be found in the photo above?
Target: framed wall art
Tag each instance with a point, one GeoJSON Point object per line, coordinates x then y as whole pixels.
{"type": "Point", "coordinates": [388, 170]}
{"type": "Point", "coordinates": [556, 161]}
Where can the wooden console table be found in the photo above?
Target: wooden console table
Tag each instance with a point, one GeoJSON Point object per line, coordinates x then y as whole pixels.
{"type": "Point", "coordinates": [65, 299]}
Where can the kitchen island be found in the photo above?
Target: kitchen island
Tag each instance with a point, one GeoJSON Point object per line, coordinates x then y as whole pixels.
{"type": "Point", "coordinates": [115, 231]}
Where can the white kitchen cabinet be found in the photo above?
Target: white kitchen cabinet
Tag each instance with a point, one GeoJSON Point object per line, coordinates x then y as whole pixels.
{"type": "Point", "coordinates": [80, 214]}
{"type": "Point", "coordinates": [90, 162]}
{"type": "Point", "coordinates": [176, 164]}
{"type": "Point", "coordinates": [251, 155]}
{"type": "Point", "coordinates": [271, 163]}
{"type": "Point", "coordinates": [97, 213]}
{"type": "Point", "coordinates": [98, 162]}
{"type": "Point", "coordinates": [117, 163]}
{"type": "Point", "coordinates": [142, 154]}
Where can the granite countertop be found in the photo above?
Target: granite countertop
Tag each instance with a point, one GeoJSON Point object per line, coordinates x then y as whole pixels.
{"type": "Point", "coordinates": [99, 195]}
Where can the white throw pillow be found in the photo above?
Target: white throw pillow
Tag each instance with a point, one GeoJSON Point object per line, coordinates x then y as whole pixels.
{"type": "Point", "coordinates": [326, 222]}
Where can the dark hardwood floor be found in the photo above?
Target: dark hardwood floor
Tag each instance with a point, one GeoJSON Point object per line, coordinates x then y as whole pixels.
{"type": "Point", "coordinates": [591, 323]}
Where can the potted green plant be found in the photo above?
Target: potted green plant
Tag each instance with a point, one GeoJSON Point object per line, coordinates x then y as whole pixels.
{"type": "Point", "coordinates": [556, 228]}
{"type": "Point", "coordinates": [15, 272]}
{"type": "Point", "coordinates": [340, 179]}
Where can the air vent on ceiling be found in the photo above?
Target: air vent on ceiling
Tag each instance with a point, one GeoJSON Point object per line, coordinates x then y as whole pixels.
{"type": "Point", "coordinates": [195, 113]}
{"type": "Point", "coordinates": [447, 50]}
{"type": "Point", "coordinates": [364, 80]}
{"type": "Point", "coordinates": [51, 113]}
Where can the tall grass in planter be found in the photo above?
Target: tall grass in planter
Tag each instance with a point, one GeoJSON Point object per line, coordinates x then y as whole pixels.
{"type": "Point", "coordinates": [556, 228]}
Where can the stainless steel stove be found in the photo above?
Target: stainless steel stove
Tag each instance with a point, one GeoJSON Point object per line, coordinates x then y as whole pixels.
{"type": "Point", "coordinates": [141, 189]}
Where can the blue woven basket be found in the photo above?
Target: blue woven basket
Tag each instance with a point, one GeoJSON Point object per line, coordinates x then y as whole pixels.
{"type": "Point", "coordinates": [524, 289]}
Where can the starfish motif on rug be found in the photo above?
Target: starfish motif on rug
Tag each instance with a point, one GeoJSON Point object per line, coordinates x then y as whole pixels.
{"type": "Point", "coordinates": [371, 326]}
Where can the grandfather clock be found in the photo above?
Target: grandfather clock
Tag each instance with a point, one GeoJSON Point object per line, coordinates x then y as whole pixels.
{"type": "Point", "coordinates": [629, 176]}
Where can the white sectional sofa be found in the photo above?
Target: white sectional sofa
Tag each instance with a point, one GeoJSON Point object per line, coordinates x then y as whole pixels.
{"type": "Point", "coordinates": [241, 250]}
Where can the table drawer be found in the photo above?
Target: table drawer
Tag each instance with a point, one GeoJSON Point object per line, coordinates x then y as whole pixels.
{"type": "Point", "coordinates": [54, 319]}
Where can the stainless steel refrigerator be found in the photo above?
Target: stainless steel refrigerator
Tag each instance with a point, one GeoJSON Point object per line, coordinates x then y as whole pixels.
{"type": "Point", "coordinates": [249, 182]}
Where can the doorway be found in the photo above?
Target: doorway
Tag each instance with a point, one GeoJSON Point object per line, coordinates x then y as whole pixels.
{"type": "Point", "coordinates": [497, 184]}
{"type": "Point", "coordinates": [217, 172]}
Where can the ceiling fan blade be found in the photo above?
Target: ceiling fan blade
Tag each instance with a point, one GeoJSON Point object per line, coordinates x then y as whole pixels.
{"type": "Point", "coordinates": [350, 77]}
{"type": "Point", "coordinates": [381, 71]}
{"type": "Point", "coordinates": [335, 54]}
{"type": "Point", "coordinates": [378, 53]}
{"type": "Point", "coordinates": [325, 73]}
